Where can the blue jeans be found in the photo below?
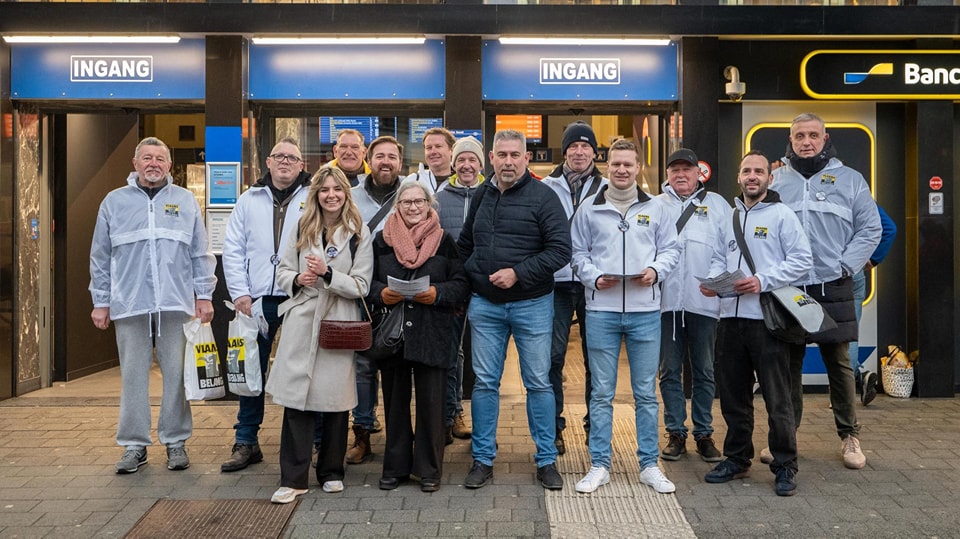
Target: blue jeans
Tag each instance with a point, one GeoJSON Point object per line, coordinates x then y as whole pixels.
{"type": "Point", "coordinates": [250, 415]}
{"type": "Point", "coordinates": [491, 326]}
{"type": "Point", "coordinates": [859, 294]}
{"type": "Point", "coordinates": [568, 299]}
{"type": "Point", "coordinates": [683, 335]}
{"type": "Point", "coordinates": [367, 386]}
{"type": "Point", "coordinates": [641, 331]}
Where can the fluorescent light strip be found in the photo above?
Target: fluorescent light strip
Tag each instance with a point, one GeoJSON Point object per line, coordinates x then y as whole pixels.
{"type": "Point", "coordinates": [91, 39]}
{"type": "Point", "coordinates": [338, 40]}
{"type": "Point", "coordinates": [581, 41]}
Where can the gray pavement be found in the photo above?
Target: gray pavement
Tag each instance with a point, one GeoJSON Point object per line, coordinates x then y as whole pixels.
{"type": "Point", "coordinates": [57, 456]}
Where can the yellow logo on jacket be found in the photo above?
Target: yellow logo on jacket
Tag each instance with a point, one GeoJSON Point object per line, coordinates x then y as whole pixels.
{"type": "Point", "coordinates": [171, 209]}
{"type": "Point", "coordinates": [760, 232]}
{"type": "Point", "coordinates": [643, 220]}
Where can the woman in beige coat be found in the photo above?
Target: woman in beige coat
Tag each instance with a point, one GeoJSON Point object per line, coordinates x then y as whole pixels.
{"type": "Point", "coordinates": [324, 271]}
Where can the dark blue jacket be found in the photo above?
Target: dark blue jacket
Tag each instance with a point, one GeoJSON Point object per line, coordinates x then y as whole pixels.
{"type": "Point", "coordinates": [887, 236]}
{"type": "Point", "coordinates": [524, 228]}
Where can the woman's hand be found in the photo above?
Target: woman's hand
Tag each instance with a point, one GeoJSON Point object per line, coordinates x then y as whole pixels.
{"type": "Point", "coordinates": [307, 278]}
{"type": "Point", "coordinates": [389, 297]}
{"type": "Point", "coordinates": [316, 265]}
{"type": "Point", "coordinates": [429, 297]}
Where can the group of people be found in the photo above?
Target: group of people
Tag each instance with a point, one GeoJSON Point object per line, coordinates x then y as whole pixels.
{"type": "Point", "coordinates": [505, 256]}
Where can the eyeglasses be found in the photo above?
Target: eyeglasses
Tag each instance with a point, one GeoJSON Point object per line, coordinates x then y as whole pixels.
{"type": "Point", "coordinates": [418, 202]}
{"type": "Point", "coordinates": [284, 158]}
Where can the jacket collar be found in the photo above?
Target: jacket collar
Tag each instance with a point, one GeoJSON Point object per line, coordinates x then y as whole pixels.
{"type": "Point", "coordinates": [601, 198]}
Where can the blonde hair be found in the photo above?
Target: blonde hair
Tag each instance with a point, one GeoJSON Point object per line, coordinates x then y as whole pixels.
{"type": "Point", "coordinates": [311, 223]}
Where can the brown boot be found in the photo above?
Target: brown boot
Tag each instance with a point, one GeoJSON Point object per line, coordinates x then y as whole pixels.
{"type": "Point", "coordinates": [360, 451]}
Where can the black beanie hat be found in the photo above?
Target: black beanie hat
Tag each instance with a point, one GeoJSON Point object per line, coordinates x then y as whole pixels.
{"type": "Point", "coordinates": [578, 132]}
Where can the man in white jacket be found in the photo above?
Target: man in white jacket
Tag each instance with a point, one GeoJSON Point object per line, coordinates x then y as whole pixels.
{"type": "Point", "coordinates": [264, 219]}
{"type": "Point", "coordinates": [150, 272]}
{"type": "Point", "coordinates": [780, 253]}
{"type": "Point", "coordinates": [623, 245]}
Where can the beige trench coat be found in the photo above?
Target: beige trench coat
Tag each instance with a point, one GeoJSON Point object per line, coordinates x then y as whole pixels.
{"type": "Point", "coordinates": [305, 376]}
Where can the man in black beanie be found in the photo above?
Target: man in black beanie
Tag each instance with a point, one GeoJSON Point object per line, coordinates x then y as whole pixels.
{"type": "Point", "coordinates": [573, 181]}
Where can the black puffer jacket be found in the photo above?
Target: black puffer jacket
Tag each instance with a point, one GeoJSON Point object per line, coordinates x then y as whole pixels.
{"type": "Point", "coordinates": [836, 297]}
{"type": "Point", "coordinates": [524, 228]}
{"type": "Point", "coordinates": [431, 335]}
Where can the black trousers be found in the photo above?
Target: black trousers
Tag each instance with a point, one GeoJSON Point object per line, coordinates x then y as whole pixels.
{"type": "Point", "coordinates": [408, 451]}
{"type": "Point", "coordinates": [743, 347]}
{"type": "Point", "coordinates": [296, 447]}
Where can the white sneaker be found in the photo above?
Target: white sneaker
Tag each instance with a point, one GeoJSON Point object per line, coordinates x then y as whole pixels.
{"type": "Point", "coordinates": [651, 475]}
{"type": "Point", "coordinates": [766, 456]}
{"type": "Point", "coordinates": [595, 478]}
{"type": "Point", "coordinates": [852, 455]}
{"type": "Point", "coordinates": [286, 494]}
{"type": "Point", "coordinates": [333, 486]}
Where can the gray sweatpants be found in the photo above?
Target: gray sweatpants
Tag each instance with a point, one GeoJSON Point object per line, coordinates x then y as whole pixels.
{"type": "Point", "coordinates": [137, 337]}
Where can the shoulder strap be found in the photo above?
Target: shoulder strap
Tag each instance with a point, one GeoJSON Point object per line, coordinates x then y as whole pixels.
{"type": "Point", "coordinates": [686, 215]}
{"type": "Point", "coordinates": [738, 232]}
{"type": "Point", "coordinates": [381, 213]}
{"type": "Point", "coordinates": [354, 243]}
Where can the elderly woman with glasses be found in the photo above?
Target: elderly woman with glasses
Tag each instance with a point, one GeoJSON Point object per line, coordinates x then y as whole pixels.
{"type": "Point", "coordinates": [412, 245]}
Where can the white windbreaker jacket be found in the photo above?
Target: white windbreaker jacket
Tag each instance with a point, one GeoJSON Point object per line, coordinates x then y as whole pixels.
{"type": "Point", "coordinates": [149, 256]}
{"type": "Point", "coordinates": [249, 258]}
{"type": "Point", "coordinates": [606, 242]}
{"type": "Point", "coordinates": [778, 245]}
{"type": "Point", "coordinates": [559, 184]}
{"type": "Point", "coordinates": [700, 237]}
{"type": "Point", "coordinates": [838, 214]}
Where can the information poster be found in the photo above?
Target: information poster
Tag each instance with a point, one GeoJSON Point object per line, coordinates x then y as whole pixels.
{"type": "Point", "coordinates": [223, 184]}
{"type": "Point", "coordinates": [217, 228]}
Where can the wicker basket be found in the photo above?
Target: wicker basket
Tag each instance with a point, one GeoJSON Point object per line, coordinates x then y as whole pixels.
{"type": "Point", "coordinates": [897, 381]}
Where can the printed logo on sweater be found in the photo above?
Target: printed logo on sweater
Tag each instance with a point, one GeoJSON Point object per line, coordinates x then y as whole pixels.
{"type": "Point", "coordinates": [760, 232]}
{"type": "Point", "coordinates": [171, 209]}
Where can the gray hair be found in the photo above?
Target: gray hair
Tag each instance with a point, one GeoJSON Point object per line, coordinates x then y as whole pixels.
{"type": "Point", "coordinates": [413, 183]}
{"type": "Point", "coordinates": [152, 141]}
{"type": "Point", "coordinates": [509, 134]}
{"type": "Point", "coordinates": [808, 117]}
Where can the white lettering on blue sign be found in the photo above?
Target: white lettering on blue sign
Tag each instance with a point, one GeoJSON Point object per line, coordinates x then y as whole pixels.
{"type": "Point", "coordinates": [111, 69]}
{"type": "Point", "coordinates": [579, 71]}
{"type": "Point", "coordinates": [927, 76]}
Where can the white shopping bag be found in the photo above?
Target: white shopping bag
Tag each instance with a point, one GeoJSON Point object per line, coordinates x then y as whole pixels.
{"type": "Point", "coordinates": [243, 357]}
{"type": "Point", "coordinates": [201, 363]}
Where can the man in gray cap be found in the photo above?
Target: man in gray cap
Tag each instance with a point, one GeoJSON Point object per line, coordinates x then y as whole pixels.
{"type": "Point", "coordinates": [688, 325]}
{"type": "Point", "coordinates": [573, 181]}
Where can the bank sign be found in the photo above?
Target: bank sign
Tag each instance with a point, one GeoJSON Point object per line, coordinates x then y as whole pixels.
{"type": "Point", "coordinates": [854, 74]}
{"type": "Point", "coordinates": [173, 71]}
{"type": "Point", "coordinates": [580, 72]}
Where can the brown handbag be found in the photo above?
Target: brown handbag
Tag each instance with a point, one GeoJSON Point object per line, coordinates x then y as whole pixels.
{"type": "Point", "coordinates": [346, 334]}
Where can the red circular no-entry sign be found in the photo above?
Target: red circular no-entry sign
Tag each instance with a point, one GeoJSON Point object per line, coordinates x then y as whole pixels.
{"type": "Point", "coordinates": [936, 183]}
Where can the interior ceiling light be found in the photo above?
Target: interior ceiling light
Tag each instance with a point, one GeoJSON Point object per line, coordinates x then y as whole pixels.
{"type": "Point", "coordinates": [581, 41]}
{"type": "Point", "coordinates": [338, 40]}
{"type": "Point", "coordinates": [92, 39]}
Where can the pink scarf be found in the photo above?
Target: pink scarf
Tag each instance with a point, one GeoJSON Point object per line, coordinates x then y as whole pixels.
{"type": "Point", "coordinates": [413, 245]}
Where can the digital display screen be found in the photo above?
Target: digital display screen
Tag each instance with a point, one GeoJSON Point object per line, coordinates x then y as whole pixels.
{"type": "Point", "coordinates": [531, 125]}
{"type": "Point", "coordinates": [330, 127]}
{"type": "Point", "coordinates": [419, 126]}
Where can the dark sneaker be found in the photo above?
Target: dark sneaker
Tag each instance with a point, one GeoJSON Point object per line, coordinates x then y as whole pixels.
{"type": "Point", "coordinates": [448, 436]}
{"type": "Point", "coordinates": [676, 446]}
{"type": "Point", "coordinates": [561, 446]}
{"type": "Point", "coordinates": [177, 458]}
{"type": "Point", "coordinates": [549, 477]}
{"type": "Point", "coordinates": [480, 474]}
{"type": "Point", "coordinates": [132, 460]}
{"type": "Point", "coordinates": [786, 482]}
{"type": "Point", "coordinates": [708, 450]}
{"type": "Point", "coordinates": [726, 471]}
{"type": "Point", "coordinates": [869, 388]}
{"type": "Point", "coordinates": [241, 456]}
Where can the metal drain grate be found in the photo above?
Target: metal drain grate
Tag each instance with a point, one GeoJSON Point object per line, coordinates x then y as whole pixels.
{"type": "Point", "coordinates": [233, 519]}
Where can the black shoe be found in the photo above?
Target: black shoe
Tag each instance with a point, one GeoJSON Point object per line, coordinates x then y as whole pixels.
{"type": "Point", "coordinates": [429, 485]}
{"type": "Point", "coordinates": [561, 446]}
{"type": "Point", "coordinates": [390, 483]}
{"type": "Point", "coordinates": [241, 456]}
{"type": "Point", "coordinates": [726, 471]}
{"type": "Point", "coordinates": [786, 483]}
{"type": "Point", "coordinates": [377, 427]}
{"type": "Point", "coordinates": [869, 388]}
{"type": "Point", "coordinates": [448, 436]}
{"type": "Point", "coordinates": [549, 477]}
{"type": "Point", "coordinates": [676, 447]}
{"type": "Point", "coordinates": [708, 450]}
{"type": "Point", "coordinates": [480, 474]}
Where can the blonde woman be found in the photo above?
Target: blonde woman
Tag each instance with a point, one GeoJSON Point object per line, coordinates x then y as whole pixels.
{"type": "Point", "coordinates": [324, 270]}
